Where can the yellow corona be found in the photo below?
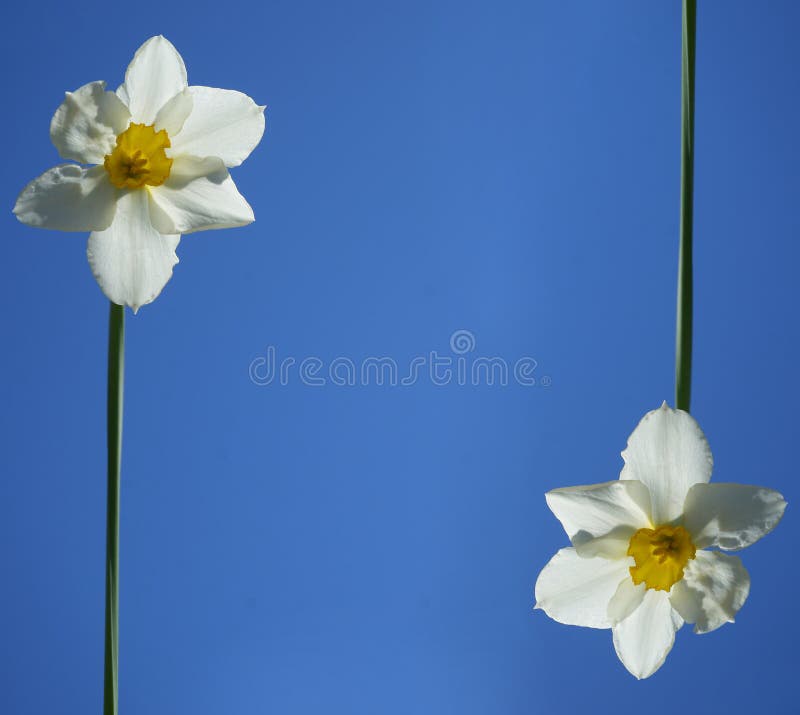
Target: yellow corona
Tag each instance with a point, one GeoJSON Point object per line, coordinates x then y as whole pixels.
{"type": "Point", "coordinates": [660, 554]}
{"type": "Point", "coordinates": [139, 158]}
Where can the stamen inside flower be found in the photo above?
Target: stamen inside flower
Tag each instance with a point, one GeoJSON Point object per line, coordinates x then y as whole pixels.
{"type": "Point", "coordinates": [661, 555]}
{"type": "Point", "coordinates": [139, 158]}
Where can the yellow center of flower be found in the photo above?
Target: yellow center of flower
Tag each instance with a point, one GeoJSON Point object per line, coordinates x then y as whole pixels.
{"type": "Point", "coordinates": [661, 555]}
{"type": "Point", "coordinates": [139, 158]}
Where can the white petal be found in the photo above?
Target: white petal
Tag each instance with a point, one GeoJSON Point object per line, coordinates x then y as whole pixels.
{"type": "Point", "coordinates": [731, 516]}
{"type": "Point", "coordinates": [613, 545]}
{"type": "Point", "coordinates": [612, 509]}
{"type": "Point", "coordinates": [713, 589]}
{"type": "Point", "coordinates": [154, 76]}
{"type": "Point", "coordinates": [644, 638]}
{"type": "Point", "coordinates": [174, 113]}
{"type": "Point", "coordinates": [85, 126]}
{"type": "Point", "coordinates": [668, 453]}
{"type": "Point", "coordinates": [626, 600]}
{"type": "Point", "coordinates": [576, 590]}
{"type": "Point", "coordinates": [68, 198]}
{"type": "Point", "coordinates": [223, 123]}
{"type": "Point", "coordinates": [122, 93]}
{"type": "Point", "coordinates": [130, 260]}
{"type": "Point", "coordinates": [198, 195]}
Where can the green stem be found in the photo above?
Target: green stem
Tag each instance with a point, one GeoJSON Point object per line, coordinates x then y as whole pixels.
{"type": "Point", "coordinates": [683, 337]}
{"type": "Point", "coordinates": [116, 372]}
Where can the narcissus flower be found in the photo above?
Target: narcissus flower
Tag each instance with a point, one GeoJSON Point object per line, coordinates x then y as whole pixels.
{"type": "Point", "coordinates": [161, 151]}
{"type": "Point", "coordinates": [638, 562]}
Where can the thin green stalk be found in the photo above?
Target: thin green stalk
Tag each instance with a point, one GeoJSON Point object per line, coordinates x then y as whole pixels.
{"type": "Point", "coordinates": [683, 337]}
{"type": "Point", "coordinates": [116, 374]}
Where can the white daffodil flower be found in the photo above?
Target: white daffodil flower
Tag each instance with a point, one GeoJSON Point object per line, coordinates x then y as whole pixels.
{"type": "Point", "coordinates": [637, 563]}
{"type": "Point", "coordinates": [161, 151]}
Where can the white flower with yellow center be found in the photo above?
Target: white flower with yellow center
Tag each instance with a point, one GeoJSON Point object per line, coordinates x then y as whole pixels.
{"type": "Point", "coordinates": [162, 151]}
{"type": "Point", "coordinates": [637, 563]}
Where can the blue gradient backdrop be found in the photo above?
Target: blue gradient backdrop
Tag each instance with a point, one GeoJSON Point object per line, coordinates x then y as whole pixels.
{"type": "Point", "coordinates": [507, 168]}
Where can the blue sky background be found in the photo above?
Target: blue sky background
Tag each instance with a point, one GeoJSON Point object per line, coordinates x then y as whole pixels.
{"type": "Point", "coordinates": [506, 168]}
